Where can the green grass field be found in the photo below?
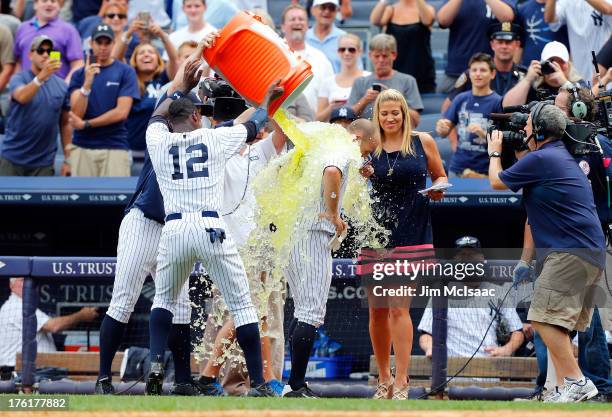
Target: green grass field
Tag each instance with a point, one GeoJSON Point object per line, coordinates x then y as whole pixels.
{"type": "Point", "coordinates": [160, 404]}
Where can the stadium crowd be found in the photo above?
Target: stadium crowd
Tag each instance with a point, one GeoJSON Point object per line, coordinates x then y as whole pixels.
{"type": "Point", "coordinates": [88, 75]}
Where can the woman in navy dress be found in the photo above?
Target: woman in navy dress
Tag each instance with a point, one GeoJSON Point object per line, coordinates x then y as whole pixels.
{"type": "Point", "coordinates": [399, 169]}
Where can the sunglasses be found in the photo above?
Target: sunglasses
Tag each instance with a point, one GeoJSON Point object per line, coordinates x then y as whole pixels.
{"type": "Point", "coordinates": [116, 15]}
{"type": "Point", "coordinates": [349, 49]}
{"type": "Point", "coordinates": [41, 51]}
{"type": "Point", "coordinates": [328, 6]}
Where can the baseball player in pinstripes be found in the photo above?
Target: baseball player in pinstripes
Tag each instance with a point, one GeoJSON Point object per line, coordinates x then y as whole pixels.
{"type": "Point", "coordinates": [309, 271]}
{"type": "Point", "coordinates": [139, 235]}
{"type": "Point", "coordinates": [189, 163]}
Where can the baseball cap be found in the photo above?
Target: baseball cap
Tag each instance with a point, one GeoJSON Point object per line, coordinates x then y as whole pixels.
{"type": "Point", "coordinates": [39, 40]}
{"type": "Point", "coordinates": [102, 31]}
{"type": "Point", "coordinates": [316, 3]}
{"type": "Point", "coordinates": [343, 112]}
{"type": "Point", "coordinates": [467, 242]}
{"type": "Point", "coordinates": [506, 31]}
{"type": "Point", "coordinates": [555, 49]}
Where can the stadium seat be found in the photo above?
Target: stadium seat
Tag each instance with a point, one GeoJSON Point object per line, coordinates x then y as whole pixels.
{"type": "Point", "coordinates": [432, 102]}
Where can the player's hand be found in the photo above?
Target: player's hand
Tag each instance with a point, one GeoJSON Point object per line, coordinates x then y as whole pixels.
{"type": "Point", "coordinates": [534, 71]}
{"type": "Point", "coordinates": [208, 41]}
{"type": "Point", "coordinates": [88, 313]}
{"type": "Point", "coordinates": [336, 220]}
{"type": "Point", "coordinates": [498, 351]}
{"type": "Point", "coordinates": [495, 141]}
{"type": "Point", "coordinates": [76, 122]}
{"type": "Point", "coordinates": [444, 127]}
{"type": "Point", "coordinates": [435, 195]}
{"type": "Point", "coordinates": [91, 70]}
{"type": "Point", "coordinates": [274, 92]}
{"type": "Point", "coordinates": [191, 75]}
{"type": "Point", "coordinates": [477, 129]}
{"type": "Point", "coordinates": [367, 170]}
{"type": "Point", "coordinates": [50, 67]}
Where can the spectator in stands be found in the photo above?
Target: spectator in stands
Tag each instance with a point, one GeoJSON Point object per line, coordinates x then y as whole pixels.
{"type": "Point", "coordinates": [336, 90]}
{"type": "Point", "coordinates": [505, 44]}
{"type": "Point", "coordinates": [38, 111]}
{"type": "Point", "coordinates": [11, 323]}
{"type": "Point", "coordinates": [470, 111]}
{"type": "Point", "coordinates": [10, 22]}
{"type": "Point", "coordinates": [218, 12]}
{"type": "Point", "coordinates": [7, 65]}
{"type": "Point", "coordinates": [65, 38]}
{"type": "Point", "coordinates": [22, 9]}
{"type": "Point", "coordinates": [294, 24]}
{"type": "Point", "coordinates": [589, 26]}
{"type": "Point", "coordinates": [343, 116]}
{"type": "Point", "coordinates": [115, 16]}
{"type": "Point", "coordinates": [535, 32]}
{"type": "Point", "coordinates": [196, 27]}
{"type": "Point", "coordinates": [101, 96]}
{"type": "Point", "coordinates": [324, 34]}
{"type": "Point", "coordinates": [468, 22]}
{"type": "Point", "coordinates": [152, 75]}
{"type": "Point", "coordinates": [401, 164]}
{"type": "Point", "coordinates": [383, 51]}
{"type": "Point", "coordinates": [84, 8]}
{"type": "Point", "coordinates": [409, 22]}
{"type": "Point", "coordinates": [604, 62]}
{"type": "Point", "coordinates": [526, 90]}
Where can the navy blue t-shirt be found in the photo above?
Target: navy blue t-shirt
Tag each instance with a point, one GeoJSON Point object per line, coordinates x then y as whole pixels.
{"type": "Point", "coordinates": [32, 128]}
{"type": "Point", "coordinates": [559, 203]}
{"type": "Point", "coordinates": [465, 109]}
{"type": "Point", "coordinates": [83, 8]}
{"type": "Point", "coordinates": [114, 81]}
{"type": "Point", "coordinates": [142, 110]}
{"type": "Point", "coordinates": [536, 32]}
{"type": "Point", "coordinates": [147, 197]}
{"type": "Point", "coordinates": [468, 34]}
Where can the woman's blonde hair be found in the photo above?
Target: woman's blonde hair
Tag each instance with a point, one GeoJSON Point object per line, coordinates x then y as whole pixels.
{"type": "Point", "coordinates": [395, 96]}
{"type": "Point", "coordinates": [160, 65]}
{"type": "Point", "coordinates": [353, 37]}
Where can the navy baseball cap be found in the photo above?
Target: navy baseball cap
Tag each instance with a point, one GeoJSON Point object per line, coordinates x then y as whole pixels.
{"type": "Point", "coordinates": [343, 112]}
{"type": "Point", "coordinates": [103, 31]}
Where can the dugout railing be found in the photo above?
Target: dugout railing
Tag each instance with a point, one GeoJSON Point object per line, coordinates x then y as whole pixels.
{"type": "Point", "coordinates": [40, 270]}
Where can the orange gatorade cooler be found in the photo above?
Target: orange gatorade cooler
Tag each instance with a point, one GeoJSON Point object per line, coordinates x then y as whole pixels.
{"type": "Point", "coordinates": [250, 56]}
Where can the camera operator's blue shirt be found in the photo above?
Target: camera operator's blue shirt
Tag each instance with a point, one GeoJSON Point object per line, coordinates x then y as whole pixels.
{"type": "Point", "coordinates": [559, 203]}
{"type": "Point", "coordinates": [465, 109]}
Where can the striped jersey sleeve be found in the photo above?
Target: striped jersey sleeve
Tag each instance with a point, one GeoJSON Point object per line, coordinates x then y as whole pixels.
{"type": "Point", "coordinates": [232, 139]}
{"type": "Point", "coordinates": [156, 132]}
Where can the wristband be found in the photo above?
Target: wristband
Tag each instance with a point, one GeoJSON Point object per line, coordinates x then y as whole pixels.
{"type": "Point", "coordinates": [37, 82]}
{"type": "Point", "coordinates": [85, 91]}
{"type": "Point", "coordinates": [176, 95]}
{"type": "Point", "coordinates": [259, 118]}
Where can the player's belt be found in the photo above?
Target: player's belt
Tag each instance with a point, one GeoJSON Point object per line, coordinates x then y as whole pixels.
{"type": "Point", "coordinates": [205, 213]}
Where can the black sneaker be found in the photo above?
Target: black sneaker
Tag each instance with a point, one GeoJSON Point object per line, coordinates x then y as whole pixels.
{"type": "Point", "coordinates": [303, 392]}
{"type": "Point", "coordinates": [155, 380]}
{"type": "Point", "coordinates": [104, 387]}
{"type": "Point", "coordinates": [188, 389]}
{"type": "Point", "coordinates": [211, 388]}
{"type": "Point", "coordinates": [262, 390]}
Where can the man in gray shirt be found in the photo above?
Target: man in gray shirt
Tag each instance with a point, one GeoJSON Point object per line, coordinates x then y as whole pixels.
{"type": "Point", "coordinates": [383, 51]}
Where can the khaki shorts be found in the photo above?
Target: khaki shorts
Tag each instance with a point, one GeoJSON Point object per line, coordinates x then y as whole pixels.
{"type": "Point", "coordinates": [98, 162]}
{"type": "Point", "coordinates": [562, 290]}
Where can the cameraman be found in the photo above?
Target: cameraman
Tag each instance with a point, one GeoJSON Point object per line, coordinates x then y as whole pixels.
{"type": "Point", "coordinates": [562, 216]}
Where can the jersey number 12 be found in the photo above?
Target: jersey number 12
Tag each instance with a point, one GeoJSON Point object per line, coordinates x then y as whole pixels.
{"type": "Point", "coordinates": [191, 172]}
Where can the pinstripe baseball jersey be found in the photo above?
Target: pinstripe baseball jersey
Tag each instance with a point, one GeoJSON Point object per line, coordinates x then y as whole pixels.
{"type": "Point", "coordinates": [190, 166]}
{"type": "Point", "coordinates": [314, 222]}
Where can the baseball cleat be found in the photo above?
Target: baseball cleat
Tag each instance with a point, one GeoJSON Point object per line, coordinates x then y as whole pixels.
{"type": "Point", "coordinates": [209, 387]}
{"type": "Point", "coordinates": [303, 392]}
{"type": "Point", "coordinates": [263, 390]}
{"type": "Point", "coordinates": [104, 387]}
{"type": "Point", "coordinates": [155, 380]}
{"type": "Point", "coordinates": [189, 389]}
